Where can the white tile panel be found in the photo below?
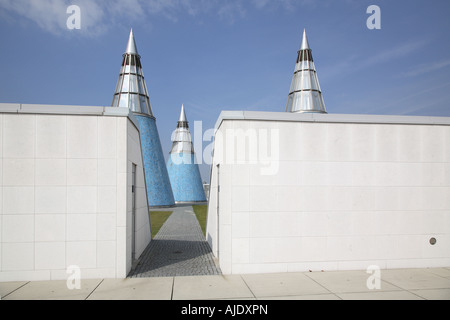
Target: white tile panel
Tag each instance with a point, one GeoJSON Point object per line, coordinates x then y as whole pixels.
{"type": "Point", "coordinates": [81, 227]}
{"type": "Point", "coordinates": [410, 146]}
{"type": "Point", "coordinates": [82, 137]}
{"type": "Point", "coordinates": [50, 199]}
{"type": "Point", "coordinates": [81, 199]}
{"type": "Point", "coordinates": [263, 198]}
{"type": "Point", "coordinates": [19, 140]}
{"type": "Point", "coordinates": [107, 172]}
{"type": "Point", "coordinates": [51, 137]}
{"type": "Point", "coordinates": [82, 254]}
{"type": "Point", "coordinates": [106, 227]}
{"type": "Point", "coordinates": [240, 224]}
{"type": "Point", "coordinates": [82, 172]}
{"type": "Point", "coordinates": [362, 140]}
{"type": "Point", "coordinates": [50, 256]}
{"type": "Point", "coordinates": [225, 248]}
{"type": "Point", "coordinates": [337, 143]}
{"type": "Point", "coordinates": [18, 200]}
{"type": "Point", "coordinates": [51, 172]}
{"type": "Point", "coordinates": [17, 228]}
{"type": "Point", "coordinates": [432, 140]}
{"type": "Point", "coordinates": [107, 131]}
{"type": "Point", "coordinates": [272, 224]}
{"type": "Point", "coordinates": [274, 250]}
{"type": "Point", "coordinates": [12, 261]}
{"type": "Point", "coordinates": [106, 254]}
{"type": "Point", "coordinates": [240, 198]}
{"type": "Point", "coordinates": [50, 228]}
{"type": "Point", "coordinates": [386, 143]}
{"type": "Point", "coordinates": [18, 172]}
{"type": "Point", "coordinates": [107, 199]}
{"type": "Point", "coordinates": [240, 248]}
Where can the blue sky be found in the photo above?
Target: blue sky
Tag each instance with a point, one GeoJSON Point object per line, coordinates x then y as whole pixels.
{"type": "Point", "coordinates": [214, 55]}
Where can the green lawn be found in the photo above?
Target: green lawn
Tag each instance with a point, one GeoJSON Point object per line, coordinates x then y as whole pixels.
{"type": "Point", "coordinates": [201, 212]}
{"type": "Point", "coordinates": [157, 219]}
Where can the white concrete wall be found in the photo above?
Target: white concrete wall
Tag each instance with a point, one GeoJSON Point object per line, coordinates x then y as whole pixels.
{"type": "Point", "coordinates": [345, 196]}
{"type": "Point", "coordinates": [64, 194]}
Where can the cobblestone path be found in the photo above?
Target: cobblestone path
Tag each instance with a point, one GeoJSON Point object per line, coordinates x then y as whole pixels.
{"type": "Point", "coordinates": [179, 249]}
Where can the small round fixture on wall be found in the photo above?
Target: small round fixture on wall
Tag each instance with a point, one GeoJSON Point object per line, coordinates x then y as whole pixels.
{"type": "Point", "coordinates": [433, 241]}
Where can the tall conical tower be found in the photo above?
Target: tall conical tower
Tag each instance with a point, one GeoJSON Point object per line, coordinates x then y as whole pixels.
{"type": "Point", "coordinates": [305, 94]}
{"type": "Point", "coordinates": [184, 173]}
{"type": "Point", "coordinates": [131, 92]}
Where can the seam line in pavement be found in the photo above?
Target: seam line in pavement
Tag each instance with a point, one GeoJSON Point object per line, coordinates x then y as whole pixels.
{"type": "Point", "coordinates": [248, 287]}
{"type": "Point", "coordinates": [329, 291]}
{"type": "Point", "coordinates": [94, 289]}
{"type": "Point", "coordinates": [16, 289]}
{"type": "Point", "coordinates": [173, 286]}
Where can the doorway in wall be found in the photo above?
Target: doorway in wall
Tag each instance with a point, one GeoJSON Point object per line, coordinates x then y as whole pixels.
{"type": "Point", "coordinates": [133, 213]}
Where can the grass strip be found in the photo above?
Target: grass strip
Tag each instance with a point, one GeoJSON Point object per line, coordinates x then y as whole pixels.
{"type": "Point", "coordinates": [157, 219]}
{"type": "Point", "coordinates": [201, 212]}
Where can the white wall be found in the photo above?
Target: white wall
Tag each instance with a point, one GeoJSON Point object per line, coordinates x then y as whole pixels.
{"type": "Point", "coordinates": [346, 195]}
{"type": "Point", "coordinates": [64, 193]}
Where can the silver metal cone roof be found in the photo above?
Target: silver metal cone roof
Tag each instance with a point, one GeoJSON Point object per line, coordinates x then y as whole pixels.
{"type": "Point", "coordinates": [131, 90]}
{"type": "Point", "coordinates": [182, 141]}
{"type": "Point", "coordinates": [182, 115]}
{"type": "Point", "coordinates": [305, 94]}
{"type": "Point", "coordinates": [305, 44]}
{"type": "Point", "coordinates": [131, 47]}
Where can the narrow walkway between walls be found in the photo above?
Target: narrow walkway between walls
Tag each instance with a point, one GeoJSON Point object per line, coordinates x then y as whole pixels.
{"type": "Point", "coordinates": [179, 249]}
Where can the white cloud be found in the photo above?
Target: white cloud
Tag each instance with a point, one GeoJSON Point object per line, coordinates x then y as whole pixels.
{"type": "Point", "coordinates": [260, 3]}
{"type": "Point", "coordinates": [48, 14]}
{"type": "Point", "coordinates": [99, 15]}
{"type": "Point", "coordinates": [230, 11]}
{"type": "Point", "coordinates": [51, 15]}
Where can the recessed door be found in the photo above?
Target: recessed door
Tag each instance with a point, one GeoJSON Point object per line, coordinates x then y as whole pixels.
{"type": "Point", "coordinates": [133, 212]}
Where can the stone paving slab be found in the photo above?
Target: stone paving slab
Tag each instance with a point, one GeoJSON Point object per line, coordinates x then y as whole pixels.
{"type": "Point", "coordinates": [380, 295]}
{"type": "Point", "coordinates": [52, 290]}
{"type": "Point", "coordinates": [210, 287]}
{"type": "Point", "coordinates": [416, 279]}
{"type": "Point", "coordinates": [134, 289]}
{"type": "Point", "coordinates": [282, 286]}
{"type": "Point", "coordinates": [179, 249]}
{"type": "Point", "coordinates": [348, 281]}
{"type": "Point", "coordinates": [433, 294]}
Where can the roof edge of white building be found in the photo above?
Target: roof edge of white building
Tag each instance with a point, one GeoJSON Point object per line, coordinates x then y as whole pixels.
{"type": "Point", "coordinates": [330, 118]}
{"type": "Point", "coordinates": [67, 110]}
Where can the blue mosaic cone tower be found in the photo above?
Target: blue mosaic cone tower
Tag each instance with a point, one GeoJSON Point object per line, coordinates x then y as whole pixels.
{"type": "Point", "coordinates": [183, 171]}
{"type": "Point", "coordinates": [131, 92]}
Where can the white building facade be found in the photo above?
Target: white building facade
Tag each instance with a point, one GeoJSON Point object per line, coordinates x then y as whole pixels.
{"type": "Point", "coordinates": [298, 192]}
{"type": "Point", "coordinates": [72, 192]}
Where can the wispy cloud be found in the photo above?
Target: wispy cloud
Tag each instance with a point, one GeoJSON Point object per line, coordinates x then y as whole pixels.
{"type": "Point", "coordinates": [397, 52]}
{"type": "Point", "coordinates": [426, 68]}
{"type": "Point", "coordinates": [51, 15]}
{"type": "Point", "coordinates": [356, 63]}
{"type": "Point", "coordinates": [231, 11]}
{"type": "Point", "coordinates": [286, 4]}
{"type": "Point", "coordinates": [99, 15]}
